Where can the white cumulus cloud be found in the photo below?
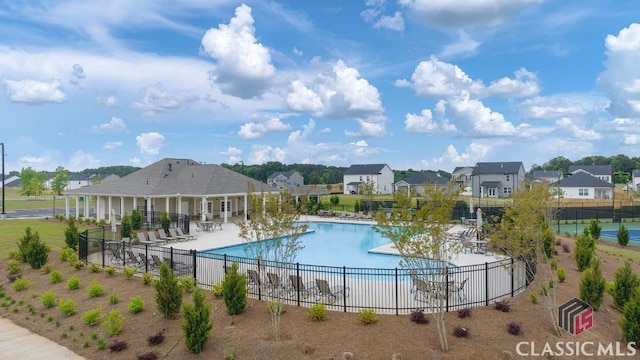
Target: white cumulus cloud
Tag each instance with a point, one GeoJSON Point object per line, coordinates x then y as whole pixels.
{"type": "Point", "coordinates": [150, 143]}
{"type": "Point", "coordinates": [32, 91]}
{"type": "Point", "coordinates": [395, 22]}
{"type": "Point", "coordinates": [244, 65]}
{"type": "Point", "coordinates": [156, 100]}
{"type": "Point", "coordinates": [254, 130]}
{"type": "Point", "coordinates": [112, 145]}
{"type": "Point", "coordinates": [115, 125]}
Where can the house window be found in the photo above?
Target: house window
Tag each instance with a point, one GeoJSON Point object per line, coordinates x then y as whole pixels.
{"type": "Point", "coordinates": [507, 191]}
{"type": "Point", "coordinates": [368, 178]}
{"type": "Point", "coordinates": [209, 207]}
{"type": "Point", "coordinates": [360, 177]}
{"type": "Point", "coordinates": [507, 179]}
{"type": "Point", "coordinates": [583, 192]}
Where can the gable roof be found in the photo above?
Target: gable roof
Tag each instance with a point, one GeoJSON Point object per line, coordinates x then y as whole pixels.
{"type": "Point", "coordinates": [512, 167]}
{"type": "Point", "coordinates": [364, 169]}
{"type": "Point", "coordinates": [175, 176]}
{"type": "Point", "coordinates": [582, 179]}
{"type": "Point", "coordinates": [286, 174]}
{"type": "Point", "coordinates": [547, 174]}
{"type": "Point", "coordinates": [424, 177]}
{"type": "Point", "coordinates": [593, 169]}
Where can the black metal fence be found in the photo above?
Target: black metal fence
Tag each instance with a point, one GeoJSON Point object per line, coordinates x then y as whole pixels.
{"type": "Point", "coordinates": [385, 290]}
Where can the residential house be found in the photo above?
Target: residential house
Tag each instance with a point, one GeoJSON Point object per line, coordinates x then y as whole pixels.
{"type": "Point", "coordinates": [582, 185]}
{"type": "Point", "coordinates": [635, 180]}
{"type": "Point", "coordinates": [496, 179]}
{"type": "Point", "coordinates": [602, 172]}
{"type": "Point", "coordinates": [462, 176]}
{"type": "Point", "coordinates": [380, 175]}
{"type": "Point", "coordinates": [415, 183]}
{"type": "Point", "coordinates": [170, 185]}
{"type": "Point", "coordinates": [76, 181]}
{"type": "Point", "coordinates": [13, 181]}
{"type": "Point", "coordinates": [550, 176]}
{"type": "Point", "coordinates": [282, 180]}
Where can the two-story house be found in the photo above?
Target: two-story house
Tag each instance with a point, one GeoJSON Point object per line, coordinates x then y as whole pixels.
{"type": "Point", "coordinates": [496, 179]}
{"type": "Point", "coordinates": [415, 183]}
{"type": "Point", "coordinates": [602, 172]}
{"type": "Point", "coordinates": [582, 185]}
{"type": "Point", "coordinates": [380, 175]}
{"type": "Point", "coordinates": [282, 180]}
{"type": "Point", "coordinates": [550, 176]}
{"type": "Point", "coordinates": [462, 176]}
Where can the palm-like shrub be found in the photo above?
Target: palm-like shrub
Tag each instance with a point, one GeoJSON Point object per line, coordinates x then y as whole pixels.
{"type": "Point", "coordinates": [234, 291]}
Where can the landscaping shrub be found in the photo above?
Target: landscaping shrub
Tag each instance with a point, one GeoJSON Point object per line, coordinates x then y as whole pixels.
{"type": "Point", "coordinates": [136, 304]}
{"type": "Point", "coordinates": [147, 278]}
{"type": "Point", "coordinates": [165, 222]}
{"type": "Point", "coordinates": [318, 312]}
{"type": "Point", "coordinates": [548, 239]}
{"type": "Point", "coordinates": [67, 307]}
{"type": "Point", "coordinates": [562, 275]}
{"type": "Point", "coordinates": [113, 322]}
{"type": "Point", "coordinates": [461, 331]}
{"type": "Point", "coordinates": [594, 229]}
{"type": "Point", "coordinates": [55, 277]}
{"type": "Point", "coordinates": [73, 283]}
{"type": "Point", "coordinates": [136, 220]}
{"type": "Point", "coordinates": [630, 321]}
{"type": "Point", "coordinates": [129, 271]}
{"type": "Point", "coordinates": [13, 266]}
{"type": "Point", "coordinates": [503, 305]}
{"type": "Point", "coordinates": [95, 289]}
{"type": "Point", "coordinates": [125, 226]}
{"type": "Point", "coordinates": [187, 283]}
{"type": "Point", "coordinates": [48, 299]}
{"type": "Point", "coordinates": [418, 316]}
{"type": "Point", "coordinates": [118, 345]}
{"type": "Point", "coordinates": [234, 290]}
{"type": "Point", "coordinates": [216, 290]}
{"type": "Point", "coordinates": [157, 338]}
{"type": "Point", "coordinates": [95, 268]}
{"type": "Point", "coordinates": [25, 242]}
{"type": "Point", "coordinates": [592, 285]}
{"type": "Point", "coordinates": [92, 317]}
{"type": "Point", "coordinates": [514, 328]}
{"type": "Point", "coordinates": [197, 325]}
{"type": "Point", "coordinates": [78, 264]}
{"type": "Point", "coordinates": [71, 235]}
{"type": "Point", "coordinates": [566, 248]}
{"type": "Point", "coordinates": [553, 263]}
{"type": "Point", "coordinates": [533, 297]}
{"type": "Point", "coordinates": [625, 284]}
{"type": "Point", "coordinates": [21, 284]}
{"type": "Point", "coordinates": [463, 313]}
{"type": "Point", "coordinates": [113, 299]}
{"type": "Point", "coordinates": [68, 254]}
{"type": "Point", "coordinates": [585, 249]}
{"type": "Point", "coordinates": [46, 268]}
{"type": "Point", "coordinates": [110, 270]}
{"type": "Point", "coordinates": [544, 291]}
{"type": "Point", "coordinates": [168, 292]}
{"type": "Point", "coordinates": [367, 316]}
{"type": "Point", "coordinates": [623, 236]}
{"type": "Point", "coordinates": [36, 253]}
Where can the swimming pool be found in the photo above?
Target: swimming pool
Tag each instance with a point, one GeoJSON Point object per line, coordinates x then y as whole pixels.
{"type": "Point", "coordinates": [335, 244]}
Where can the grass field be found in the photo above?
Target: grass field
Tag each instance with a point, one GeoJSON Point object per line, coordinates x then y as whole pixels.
{"type": "Point", "coordinates": [14, 201]}
{"type": "Point", "coordinates": [50, 231]}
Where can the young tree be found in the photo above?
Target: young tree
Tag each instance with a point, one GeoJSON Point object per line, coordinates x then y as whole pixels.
{"type": "Point", "coordinates": [168, 292]}
{"type": "Point", "coordinates": [71, 235]}
{"type": "Point", "coordinates": [368, 190]}
{"type": "Point", "coordinates": [165, 222]}
{"type": "Point", "coordinates": [234, 290]}
{"type": "Point", "coordinates": [626, 282]}
{"type": "Point", "coordinates": [595, 229]}
{"type": "Point", "coordinates": [36, 253]}
{"type": "Point", "coordinates": [630, 321]}
{"type": "Point", "coordinates": [524, 235]}
{"type": "Point", "coordinates": [32, 182]}
{"type": "Point", "coordinates": [421, 239]}
{"type": "Point", "coordinates": [125, 226]}
{"type": "Point", "coordinates": [197, 325]}
{"type": "Point", "coordinates": [136, 219]}
{"type": "Point", "coordinates": [623, 235]}
{"type": "Point", "coordinates": [585, 250]}
{"type": "Point", "coordinates": [60, 180]}
{"type": "Point", "coordinates": [592, 285]}
{"type": "Point", "coordinates": [273, 218]}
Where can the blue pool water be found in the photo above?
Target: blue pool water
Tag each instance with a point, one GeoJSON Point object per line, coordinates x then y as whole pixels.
{"type": "Point", "coordinates": [634, 234]}
{"type": "Point", "coordinates": [335, 244]}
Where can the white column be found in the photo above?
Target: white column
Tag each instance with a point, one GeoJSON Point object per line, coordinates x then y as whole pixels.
{"type": "Point", "coordinates": [97, 207]}
{"type": "Point", "coordinates": [226, 210]}
{"type": "Point", "coordinates": [203, 209]}
{"type": "Point", "coordinates": [77, 207]}
{"type": "Point", "coordinates": [179, 204]}
{"type": "Point", "coordinates": [121, 206]}
{"type": "Point", "coordinates": [148, 207]}
{"type": "Point", "coordinates": [85, 205]}
{"type": "Point", "coordinates": [66, 206]}
{"type": "Point", "coordinates": [245, 207]}
{"type": "Point", "coordinates": [110, 208]}
{"type": "Point", "coordinates": [135, 203]}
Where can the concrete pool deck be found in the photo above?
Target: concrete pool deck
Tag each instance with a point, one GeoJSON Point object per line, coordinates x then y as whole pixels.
{"type": "Point", "coordinates": [228, 235]}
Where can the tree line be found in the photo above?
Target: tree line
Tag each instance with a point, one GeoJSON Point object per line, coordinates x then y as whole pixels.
{"type": "Point", "coordinates": [622, 165]}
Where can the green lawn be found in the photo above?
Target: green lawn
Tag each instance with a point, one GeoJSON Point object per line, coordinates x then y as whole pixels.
{"type": "Point", "coordinates": [51, 232]}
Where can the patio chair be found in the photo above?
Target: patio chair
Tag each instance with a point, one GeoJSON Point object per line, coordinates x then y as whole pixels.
{"type": "Point", "coordinates": [298, 287]}
{"type": "Point", "coordinates": [116, 258]}
{"type": "Point", "coordinates": [187, 236]}
{"type": "Point", "coordinates": [330, 292]}
{"type": "Point", "coordinates": [174, 234]}
{"type": "Point", "coordinates": [134, 260]}
{"type": "Point", "coordinates": [217, 225]}
{"type": "Point", "coordinates": [154, 239]}
{"type": "Point", "coordinates": [458, 288]}
{"type": "Point", "coordinates": [198, 226]}
{"type": "Point", "coordinates": [144, 260]}
{"type": "Point", "coordinates": [163, 236]}
{"type": "Point", "coordinates": [275, 283]}
{"type": "Point", "coordinates": [179, 267]}
{"type": "Point", "coordinates": [156, 261]}
{"type": "Point", "coordinates": [253, 279]}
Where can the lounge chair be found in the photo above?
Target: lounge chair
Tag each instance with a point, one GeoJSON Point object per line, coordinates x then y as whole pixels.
{"type": "Point", "coordinates": [179, 267]}
{"type": "Point", "coordinates": [330, 292]}
{"type": "Point", "coordinates": [154, 239]}
{"type": "Point", "coordinates": [116, 257]}
{"type": "Point", "coordinates": [187, 236]}
{"type": "Point", "coordinates": [163, 236]}
{"type": "Point", "coordinates": [253, 279]}
{"type": "Point", "coordinates": [298, 287]}
{"type": "Point", "coordinates": [275, 283]}
{"type": "Point", "coordinates": [174, 234]}
{"type": "Point", "coordinates": [133, 259]}
{"type": "Point", "coordinates": [156, 261]}
{"type": "Point", "coordinates": [458, 288]}
{"type": "Point", "coordinates": [147, 261]}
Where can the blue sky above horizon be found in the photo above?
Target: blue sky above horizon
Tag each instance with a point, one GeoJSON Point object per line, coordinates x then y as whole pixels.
{"type": "Point", "coordinates": [421, 84]}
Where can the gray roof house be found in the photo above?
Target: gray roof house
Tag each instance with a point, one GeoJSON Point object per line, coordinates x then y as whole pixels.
{"type": "Point", "coordinates": [602, 172]}
{"type": "Point", "coordinates": [550, 176]}
{"type": "Point", "coordinates": [285, 179]}
{"type": "Point", "coordinates": [582, 185]}
{"type": "Point", "coordinates": [415, 183]}
{"type": "Point", "coordinates": [181, 186]}
{"type": "Point", "coordinates": [496, 179]}
{"type": "Point", "coordinates": [380, 175]}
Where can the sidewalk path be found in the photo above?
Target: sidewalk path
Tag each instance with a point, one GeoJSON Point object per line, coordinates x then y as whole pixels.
{"type": "Point", "coordinates": [19, 343]}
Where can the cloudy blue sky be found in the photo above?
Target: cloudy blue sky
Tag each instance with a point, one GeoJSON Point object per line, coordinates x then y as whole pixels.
{"type": "Point", "coordinates": [421, 84]}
